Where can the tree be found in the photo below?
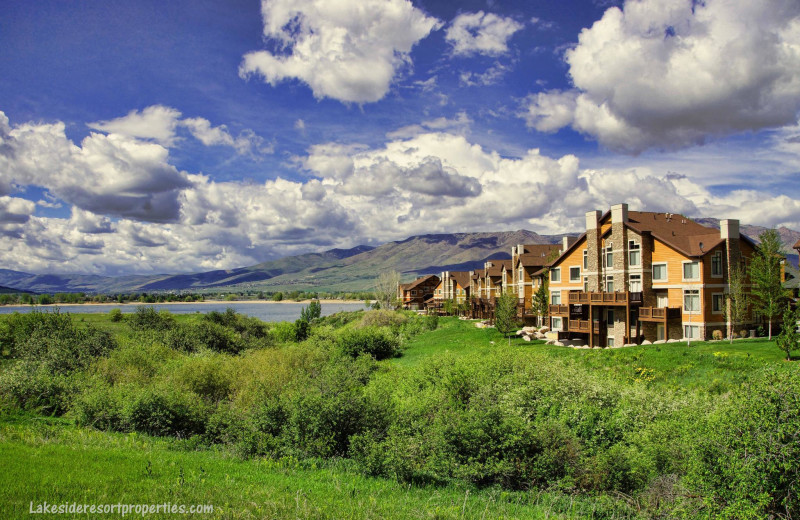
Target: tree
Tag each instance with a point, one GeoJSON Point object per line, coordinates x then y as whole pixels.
{"type": "Point", "coordinates": [789, 337]}
{"type": "Point", "coordinates": [505, 314]}
{"type": "Point", "coordinates": [737, 298]}
{"type": "Point", "coordinates": [312, 312]}
{"type": "Point", "coordinates": [386, 289]}
{"type": "Point", "coordinates": [765, 276]}
{"type": "Point", "coordinates": [540, 303]}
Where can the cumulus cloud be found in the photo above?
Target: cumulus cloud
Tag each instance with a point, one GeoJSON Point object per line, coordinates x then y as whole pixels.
{"type": "Point", "coordinates": [481, 33]}
{"type": "Point", "coordinates": [161, 124]}
{"type": "Point", "coordinates": [346, 50]}
{"type": "Point", "coordinates": [667, 74]}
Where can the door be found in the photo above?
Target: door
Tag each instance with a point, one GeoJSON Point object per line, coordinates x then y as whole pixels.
{"type": "Point", "coordinates": [661, 299]}
{"type": "Point", "coordinates": [660, 332]}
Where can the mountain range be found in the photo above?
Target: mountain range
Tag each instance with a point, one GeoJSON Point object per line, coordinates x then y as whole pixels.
{"type": "Point", "coordinates": [333, 270]}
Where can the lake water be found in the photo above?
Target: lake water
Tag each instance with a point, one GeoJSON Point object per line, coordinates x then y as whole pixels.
{"type": "Point", "coordinates": [263, 311]}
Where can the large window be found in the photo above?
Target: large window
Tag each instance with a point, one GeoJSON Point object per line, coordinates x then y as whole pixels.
{"type": "Point", "coordinates": [716, 264]}
{"type": "Point", "coordinates": [659, 272]}
{"type": "Point", "coordinates": [555, 323]}
{"type": "Point", "coordinates": [555, 274]}
{"type": "Point", "coordinates": [609, 284]}
{"type": "Point", "coordinates": [555, 297]}
{"type": "Point", "coordinates": [691, 300]}
{"type": "Point", "coordinates": [634, 253]}
{"type": "Point", "coordinates": [717, 303]}
{"type": "Point", "coordinates": [691, 270]}
{"type": "Point", "coordinates": [691, 331]}
{"type": "Point", "coordinates": [575, 274]}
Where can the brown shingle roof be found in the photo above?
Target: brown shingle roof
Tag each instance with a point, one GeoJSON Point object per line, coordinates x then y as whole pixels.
{"type": "Point", "coordinates": [420, 281]}
{"type": "Point", "coordinates": [497, 267]}
{"type": "Point", "coordinates": [796, 245]}
{"type": "Point", "coordinates": [681, 233]}
{"type": "Point", "coordinates": [537, 257]}
{"type": "Point", "coordinates": [461, 278]}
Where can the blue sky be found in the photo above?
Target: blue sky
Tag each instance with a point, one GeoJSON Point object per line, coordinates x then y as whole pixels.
{"type": "Point", "coordinates": [139, 137]}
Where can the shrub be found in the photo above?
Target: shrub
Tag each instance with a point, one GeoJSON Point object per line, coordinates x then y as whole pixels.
{"type": "Point", "coordinates": [248, 327]}
{"type": "Point", "coordinates": [27, 385]}
{"type": "Point", "coordinates": [284, 332]}
{"type": "Point", "coordinates": [744, 333]}
{"type": "Point", "coordinates": [378, 343]}
{"type": "Point", "coordinates": [146, 318]}
{"type": "Point", "coordinates": [717, 335]}
{"type": "Point", "coordinates": [115, 315]}
{"type": "Point", "coordinates": [164, 411]}
{"type": "Point", "coordinates": [432, 322]}
{"type": "Point", "coordinates": [744, 463]}
{"type": "Point", "coordinates": [383, 318]}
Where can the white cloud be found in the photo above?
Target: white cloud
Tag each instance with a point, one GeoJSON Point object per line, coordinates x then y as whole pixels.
{"type": "Point", "coordinates": [155, 122]}
{"type": "Point", "coordinates": [481, 33]}
{"type": "Point", "coordinates": [161, 124]}
{"type": "Point", "coordinates": [491, 76]}
{"type": "Point", "coordinates": [348, 50]}
{"type": "Point", "coordinates": [667, 74]}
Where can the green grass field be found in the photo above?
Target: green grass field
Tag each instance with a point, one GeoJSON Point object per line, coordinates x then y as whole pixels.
{"type": "Point", "coordinates": [52, 460]}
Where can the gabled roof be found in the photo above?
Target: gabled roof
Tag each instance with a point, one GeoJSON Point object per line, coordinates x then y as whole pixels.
{"type": "Point", "coordinates": [497, 267]}
{"type": "Point", "coordinates": [419, 281]}
{"type": "Point", "coordinates": [539, 256]}
{"type": "Point", "coordinates": [461, 278]}
{"type": "Point", "coordinates": [796, 245]}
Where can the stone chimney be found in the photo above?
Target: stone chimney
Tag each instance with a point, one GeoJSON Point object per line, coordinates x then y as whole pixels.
{"type": "Point", "coordinates": [619, 213]}
{"type": "Point", "coordinates": [593, 248]}
{"type": "Point", "coordinates": [619, 240]}
{"type": "Point", "coordinates": [729, 231]}
{"type": "Point", "coordinates": [729, 228]}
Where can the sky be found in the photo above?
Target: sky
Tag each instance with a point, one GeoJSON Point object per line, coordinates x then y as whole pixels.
{"type": "Point", "coordinates": [161, 137]}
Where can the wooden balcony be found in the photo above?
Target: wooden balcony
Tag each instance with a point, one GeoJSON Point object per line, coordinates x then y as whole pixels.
{"type": "Point", "coordinates": [559, 310]}
{"type": "Point", "coordinates": [659, 314]}
{"type": "Point", "coordinates": [604, 298]}
{"type": "Point", "coordinates": [583, 326]}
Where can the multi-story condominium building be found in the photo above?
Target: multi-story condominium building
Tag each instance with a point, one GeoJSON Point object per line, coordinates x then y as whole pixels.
{"type": "Point", "coordinates": [495, 277]}
{"type": "Point", "coordinates": [413, 295]}
{"type": "Point", "coordinates": [528, 263]}
{"type": "Point", "coordinates": [455, 285]}
{"type": "Point", "coordinates": [635, 276]}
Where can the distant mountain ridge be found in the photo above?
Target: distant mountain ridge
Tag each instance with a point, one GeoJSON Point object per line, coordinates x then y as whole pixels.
{"type": "Point", "coordinates": [333, 270]}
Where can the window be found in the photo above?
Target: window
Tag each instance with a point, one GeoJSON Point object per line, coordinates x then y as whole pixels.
{"type": "Point", "coordinates": [691, 331]}
{"type": "Point", "coordinates": [691, 300]}
{"type": "Point", "coordinates": [634, 253]}
{"type": "Point", "coordinates": [717, 303]}
{"type": "Point", "coordinates": [555, 323]}
{"type": "Point", "coordinates": [716, 264]}
{"type": "Point", "coordinates": [555, 297]}
{"type": "Point", "coordinates": [691, 270]}
{"type": "Point", "coordinates": [585, 259]}
{"type": "Point", "coordinates": [585, 284]}
{"type": "Point", "coordinates": [659, 272]}
{"type": "Point", "coordinates": [413, 292]}
{"type": "Point", "coordinates": [610, 317]}
{"type": "Point", "coordinates": [610, 341]}
{"type": "Point", "coordinates": [608, 256]}
{"type": "Point", "coordinates": [635, 283]}
{"type": "Point", "coordinates": [574, 274]}
{"type": "Point", "coordinates": [521, 274]}
{"type": "Point", "coordinates": [609, 284]}
{"type": "Point", "coordinates": [555, 274]}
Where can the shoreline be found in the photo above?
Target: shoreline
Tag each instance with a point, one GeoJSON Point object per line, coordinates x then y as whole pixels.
{"type": "Point", "coordinates": [205, 302]}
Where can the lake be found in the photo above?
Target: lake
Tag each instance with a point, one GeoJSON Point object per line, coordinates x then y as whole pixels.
{"type": "Point", "coordinates": [266, 311]}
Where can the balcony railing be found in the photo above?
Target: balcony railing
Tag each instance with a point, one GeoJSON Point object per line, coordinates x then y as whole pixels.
{"type": "Point", "coordinates": [559, 310]}
{"type": "Point", "coordinates": [659, 313]}
{"type": "Point", "coordinates": [583, 326]}
{"type": "Point", "coordinates": [605, 298]}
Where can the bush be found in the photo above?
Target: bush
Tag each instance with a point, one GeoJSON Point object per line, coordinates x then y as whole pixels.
{"type": "Point", "coordinates": [146, 318]}
{"type": "Point", "coordinates": [164, 411]}
{"type": "Point", "coordinates": [29, 386]}
{"type": "Point", "coordinates": [717, 335]}
{"type": "Point", "coordinates": [248, 327]}
{"type": "Point", "coordinates": [744, 463]}
{"type": "Point", "coordinates": [284, 332]}
{"type": "Point", "coordinates": [378, 343]}
{"type": "Point", "coordinates": [432, 322]}
{"type": "Point", "coordinates": [383, 318]}
{"type": "Point", "coordinates": [115, 315]}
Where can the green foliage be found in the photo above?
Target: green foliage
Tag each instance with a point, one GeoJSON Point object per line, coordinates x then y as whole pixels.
{"type": "Point", "coordinates": [384, 318]}
{"type": "Point", "coordinates": [284, 332]}
{"type": "Point", "coordinates": [301, 329]}
{"type": "Point", "coordinates": [744, 464]}
{"type": "Point", "coordinates": [312, 312]}
{"type": "Point", "coordinates": [374, 341]}
{"type": "Point", "coordinates": [505, 313]}
{"type": "Point", "coordinates": [765, 276]}
{"type": "Point", "coordinates": [147, 318]}
{"type": "Point", "coordinates": [788, 339]}
{"type": "Point", "coordinates": [115, 315]}
{"type": "Point", "coordinates": [277, 297]}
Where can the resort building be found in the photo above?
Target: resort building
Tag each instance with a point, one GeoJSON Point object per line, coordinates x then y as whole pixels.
{"type": "Point", "coordinates": [414, 295]}
{"type": "Point", "coordinates": [635, 276]}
